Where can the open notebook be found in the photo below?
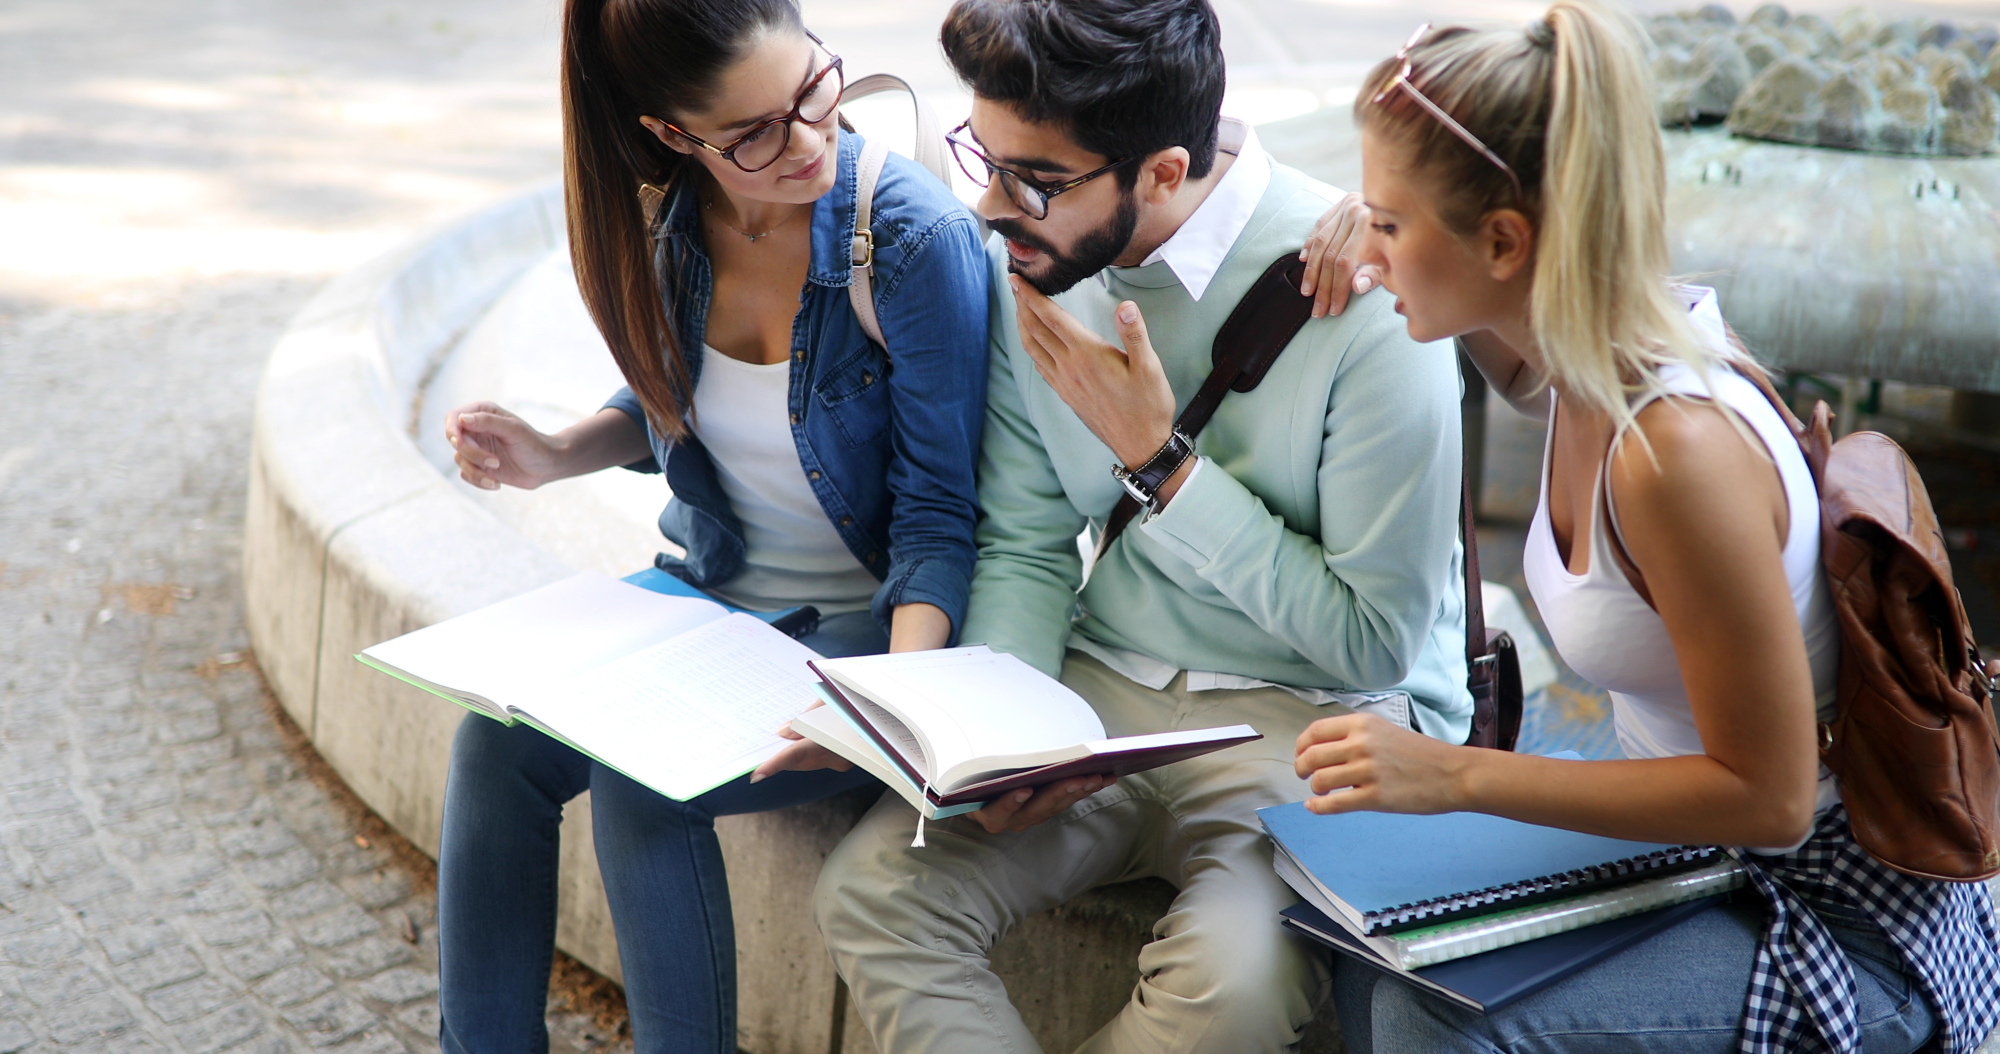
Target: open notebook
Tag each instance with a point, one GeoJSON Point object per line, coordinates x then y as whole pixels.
{"type": "Point", "coordinates": [952, 729]}
{"type": "Point", "coordinates": [676, 692]}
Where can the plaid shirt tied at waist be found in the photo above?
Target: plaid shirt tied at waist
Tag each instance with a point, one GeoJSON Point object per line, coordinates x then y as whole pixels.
{"type": "Point", "coordinates": [1802, 986]}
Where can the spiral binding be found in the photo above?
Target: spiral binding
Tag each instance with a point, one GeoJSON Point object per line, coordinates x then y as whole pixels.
{"type": "Point", "coordinates": [1536, 890]}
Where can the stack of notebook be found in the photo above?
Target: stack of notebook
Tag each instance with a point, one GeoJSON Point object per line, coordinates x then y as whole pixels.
{"type": "Point", "coordinates": [1480, 909]}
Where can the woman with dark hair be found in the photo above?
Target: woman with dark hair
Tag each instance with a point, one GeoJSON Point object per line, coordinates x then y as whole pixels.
{"type": "Point", "coordinates": [1517, 183]}
{"type": "Point", "coordinates": [712, 207]}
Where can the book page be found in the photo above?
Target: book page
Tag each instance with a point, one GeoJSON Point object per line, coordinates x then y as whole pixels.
{"type": "Point", "coordinates": [508, 653]}
{"type": "Point", "coordinates": [971, 703]}
{"type": "Point", "coordinates": [835, 731]}
{"type": "Point", "coordinates": [688, 714]}
{"type": "Point", "coordinates": [896, 732]}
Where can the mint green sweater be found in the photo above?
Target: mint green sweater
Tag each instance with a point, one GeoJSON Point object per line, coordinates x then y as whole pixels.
{"type": "Point", "coordinates": [1318, 545]}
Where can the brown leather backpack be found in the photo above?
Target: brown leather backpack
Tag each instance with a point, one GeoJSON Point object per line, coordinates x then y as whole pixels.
{"type": "Point", "coordinates": [1914, 743]}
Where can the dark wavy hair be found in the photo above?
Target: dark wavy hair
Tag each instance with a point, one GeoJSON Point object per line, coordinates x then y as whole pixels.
{"type": "Point", "coordinates": [622, 59]}
{"type": "Point", "coordinates": [1125, 78]}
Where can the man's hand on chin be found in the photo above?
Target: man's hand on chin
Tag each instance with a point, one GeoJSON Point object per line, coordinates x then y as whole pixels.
{"type": "Point", "coordinates": [1120, 394]}
{"type": "Point", "coordinates": [1021, 809]}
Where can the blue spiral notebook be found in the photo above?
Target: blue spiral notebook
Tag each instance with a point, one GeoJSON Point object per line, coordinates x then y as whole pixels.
{"type": "Point", "coordinates": [1491, 980]}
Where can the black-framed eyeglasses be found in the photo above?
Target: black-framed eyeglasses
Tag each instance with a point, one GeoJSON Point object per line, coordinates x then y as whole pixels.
{"type": "Point", "coordinates": [1031, 197]}
{"type": "Point", "coordinates": [761, 147]}
{"type": "Point", "coordinates": [1402, 80]}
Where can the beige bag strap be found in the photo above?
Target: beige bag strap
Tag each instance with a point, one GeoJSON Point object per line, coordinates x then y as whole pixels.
{"type": "Point", "coordinates": [861, 284]}
{"type": "Point", "coordinates": [930, 152]}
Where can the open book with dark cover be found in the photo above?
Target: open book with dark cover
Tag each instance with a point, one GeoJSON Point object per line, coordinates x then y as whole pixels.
{"type": "Point", "coordinates": [953, 729]}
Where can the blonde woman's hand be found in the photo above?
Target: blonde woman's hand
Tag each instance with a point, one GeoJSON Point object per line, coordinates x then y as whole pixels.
{"type": "Point", "coordinates": [491, 446]}
{"type": "Point", "coordinates": [1333, 257]}
{"type": "Point", "coordinates": [1358, 762]}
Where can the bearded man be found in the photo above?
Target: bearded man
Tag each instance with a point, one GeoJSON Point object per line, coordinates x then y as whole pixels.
{"type": "Point", "coordinates": [1300, 559]}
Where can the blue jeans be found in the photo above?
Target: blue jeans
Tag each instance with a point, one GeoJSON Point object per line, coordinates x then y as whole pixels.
{"type": "Point", "coordinates": [663, 877]}
{"type": "Point", "coordinates": [1679, 993]}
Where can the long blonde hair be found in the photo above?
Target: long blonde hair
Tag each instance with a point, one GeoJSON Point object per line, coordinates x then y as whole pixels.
{"type": "Point", "coordinates": [1568, 104]}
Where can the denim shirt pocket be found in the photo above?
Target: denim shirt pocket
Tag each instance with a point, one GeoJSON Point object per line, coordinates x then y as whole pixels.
{"type": "Point", "coordinates": [855, 394]}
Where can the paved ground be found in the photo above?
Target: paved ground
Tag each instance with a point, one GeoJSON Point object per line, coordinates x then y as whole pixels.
{"type": "Point", "coordinates": [177, 876]}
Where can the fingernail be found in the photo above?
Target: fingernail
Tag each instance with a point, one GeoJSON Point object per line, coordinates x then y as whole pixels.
{"type": "Point", "coordinates": [492, 462]}
{"type": "Point", "coordinates": [1363, 284]}
{"type": "Point", "coordinates": [1023, 795]}
{"type": "Point", "coordinates": [756, 777]}
{"type": "Point", "coordinates": [1128, 312]}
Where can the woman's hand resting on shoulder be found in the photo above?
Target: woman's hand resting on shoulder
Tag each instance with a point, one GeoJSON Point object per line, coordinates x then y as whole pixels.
{"type": "Point", "coordinates": [1333, 257]}
{"type": "Point", "coordinates": [1383, 767]}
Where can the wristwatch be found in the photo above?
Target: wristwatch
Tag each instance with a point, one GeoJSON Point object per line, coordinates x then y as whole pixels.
{"type": "Point", "coordinates": [1144, 482]}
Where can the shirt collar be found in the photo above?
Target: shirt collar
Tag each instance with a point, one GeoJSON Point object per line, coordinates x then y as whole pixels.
{"type": "Point", "coordinates": [1196, 251]}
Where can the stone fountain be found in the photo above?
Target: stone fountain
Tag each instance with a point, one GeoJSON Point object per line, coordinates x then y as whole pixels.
{"type": "Point", "coordinates": [1838, 182]}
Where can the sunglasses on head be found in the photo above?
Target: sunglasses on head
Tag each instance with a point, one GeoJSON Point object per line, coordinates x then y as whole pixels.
{"type": "Point", "coordinates": [1402, 80]}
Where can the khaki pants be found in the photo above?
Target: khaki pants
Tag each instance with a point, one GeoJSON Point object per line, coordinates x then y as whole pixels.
{"type": "Point", "coordinates": [910, 928]}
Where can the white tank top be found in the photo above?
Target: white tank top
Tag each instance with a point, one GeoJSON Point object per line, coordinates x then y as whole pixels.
{"type": "Point", "coordinates": [792, 555]}
{"type": "Point", "coordinates": [1614, 639]}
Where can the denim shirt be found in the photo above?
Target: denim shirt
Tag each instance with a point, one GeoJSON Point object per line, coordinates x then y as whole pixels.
{"type": "Point", "coordinates": [888, 442]}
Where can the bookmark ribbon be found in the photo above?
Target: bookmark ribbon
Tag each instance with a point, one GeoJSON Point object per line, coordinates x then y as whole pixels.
{"type": "Point", "coordinates": [918, 842]}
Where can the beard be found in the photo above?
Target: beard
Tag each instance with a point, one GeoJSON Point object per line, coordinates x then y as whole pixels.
{"type": "Point", "coordinates": [1092, 253]}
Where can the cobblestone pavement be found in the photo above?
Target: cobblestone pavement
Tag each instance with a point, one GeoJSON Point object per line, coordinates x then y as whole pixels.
{"type": "Point", "coordinates": [176, 874]}
{"type": "Point", "coordinates": [172, 879]}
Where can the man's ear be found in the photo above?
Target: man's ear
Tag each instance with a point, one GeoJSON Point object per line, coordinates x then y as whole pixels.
{"type": "Point", "coordinates": [1507, 242]}
{"type": "Point", "coordinates": [667, 135]}
{"type": "Point", "coordinates": [1163, 175]}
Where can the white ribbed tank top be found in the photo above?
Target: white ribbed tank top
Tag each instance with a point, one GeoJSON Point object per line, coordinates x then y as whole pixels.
{"type": "Point", "coordinates": [1612, 638]}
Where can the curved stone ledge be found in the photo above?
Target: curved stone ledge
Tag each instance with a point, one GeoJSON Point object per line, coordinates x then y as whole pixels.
{"type": "Point", "coordinates": [353, 537]}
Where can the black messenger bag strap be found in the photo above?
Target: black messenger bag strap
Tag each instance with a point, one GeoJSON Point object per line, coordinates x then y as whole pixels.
{"type": "Point", "coordinates": [1250, 340]}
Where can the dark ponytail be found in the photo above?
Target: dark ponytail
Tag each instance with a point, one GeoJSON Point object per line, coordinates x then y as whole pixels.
{"type": "Point", "coordinates": [623, 59]}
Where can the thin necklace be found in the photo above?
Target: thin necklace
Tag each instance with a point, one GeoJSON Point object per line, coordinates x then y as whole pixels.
{"type": "Point", "coordinates": [709, 207]}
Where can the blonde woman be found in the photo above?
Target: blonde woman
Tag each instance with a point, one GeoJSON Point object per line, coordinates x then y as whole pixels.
{"type": "Point", "coordinates": [1516, 181]}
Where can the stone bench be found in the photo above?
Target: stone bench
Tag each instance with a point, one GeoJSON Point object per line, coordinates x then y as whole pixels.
{"type": "Point", "coordinates": [355, 536]}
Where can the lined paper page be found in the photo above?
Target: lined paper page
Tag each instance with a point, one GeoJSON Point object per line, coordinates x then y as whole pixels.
{"type": "Point", "coordinates": [692, 713]}
{"type": "Point", "coordinates": [507, 652]}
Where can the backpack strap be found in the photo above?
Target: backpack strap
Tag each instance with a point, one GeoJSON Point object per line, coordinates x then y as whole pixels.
{"type": "Point", "coordinates": [861, 280]}
{"type": "Point", "coordinates": [930, 153]}
{"type": "Point", "coordinates": [930, 149]}
{"type": "Point", "coordinates": [1262, 324]}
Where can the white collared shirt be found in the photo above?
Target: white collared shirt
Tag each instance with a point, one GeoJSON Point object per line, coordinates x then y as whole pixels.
{"type": "Point", "coordinates": [1195, 251]}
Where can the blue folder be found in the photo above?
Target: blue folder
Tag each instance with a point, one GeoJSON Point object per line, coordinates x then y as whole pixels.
{"type": "Point", "coordinates": [1375, 861]}
{"type": "Point", "coordinates": [796, 622]}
